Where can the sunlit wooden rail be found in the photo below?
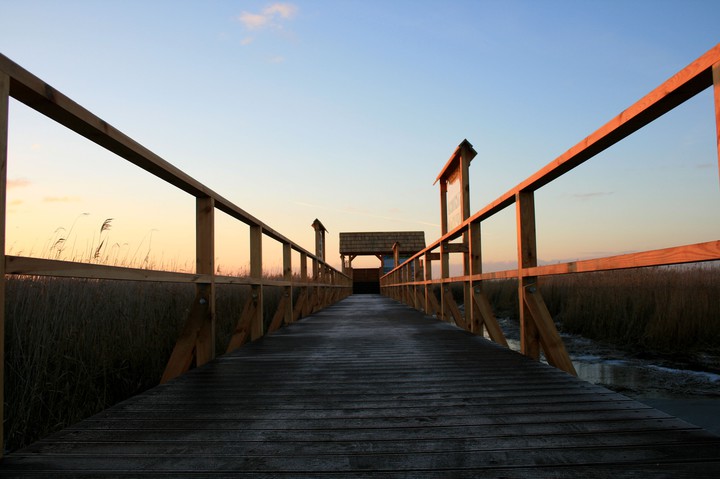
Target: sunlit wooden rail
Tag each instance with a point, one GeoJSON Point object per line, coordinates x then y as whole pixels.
{"type": "Point", "coordinates": [319, 287]}
{"type": "Point", "coordinates": [412, 282]}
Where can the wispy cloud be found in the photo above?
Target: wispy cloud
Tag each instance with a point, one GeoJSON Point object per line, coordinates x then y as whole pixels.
{"type": "Point", "coordinates": [276, 59]}
{"type": "Point", "coordinates": [62, 199]}
{"type": "Point", "coordinates": [705, 166]}
{"type": "Point", "coordinates": [272, 16]}
{"type": "Point", "coordinates": [285, 10]}
{"type": "Point", "coordinates": [594, 194]}
{"type": "Point", "coordinates": [18, 183]}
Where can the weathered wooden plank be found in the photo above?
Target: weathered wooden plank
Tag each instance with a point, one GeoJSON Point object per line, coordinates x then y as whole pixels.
{"type": "Point", "coordinates": [552, 344]}
{"type": "Point", "coordinates": [451, 309]}
{"type": "Point", "coordinates": [181, 403]}
{"type": "Point", "coordinates": [369, 387]}
{"type": "Point", "coordinates": [300, 304]}
{"type": "Point", "coordinates": [484, 312]}
{"type": "Point", "coordinates": [357, 462]}
{"type": "Point", "coordinates": [419, 445]}
{"type": "Point", "coordinates": [666, 428]}
{"type": "Point", "coordinates": [69, 269]}
{"type": "Point", "coordinates": [279, 315]}
{"type": "Point", "coordinates": [569, 471]}
{"type": "Point", "coordinates": [242, 329]}
{"type": "Point", "coordinates": [228, 412]}
{"type": "Point", "coordinates": [695, 253]}
{"type": "Point", "coordinates": [184, 349]}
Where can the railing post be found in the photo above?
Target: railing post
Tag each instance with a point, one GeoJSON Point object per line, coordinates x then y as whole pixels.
{"type": "Point", "coordinates": [467, 153]}
{"type": "Point", "coordinates": [315, 295]}
{"type": "Point", "coordinates": [429, 309]}
{"type": "Point", "coordinates": [301, 305]}
{"type": "Point", "coordinates": [527, 258]}
{"type": "Point", "coordinates": [257, 327]}
{"type": "Point", "coordinates": [417, 276]}
{"type": "Point", "coordinates": [475, 267]}
{"type": "Point", "coordinates": [306, 281]}
{"type": "Point", "coordinates": [536, 324]}
{"type": "Point", "coordinates": [444, 255]}
{"type": "Point", "coordinates": [197, 337]}
{"type": "Point", "coordinates": [283, 314]}
{"type": "Point", "coordinates": [4, 104]}
{"type": "Point", "coordinates": [716, 90]}
{"type": "Point", "coordinates": [482, 315]}
{"type": "Point", "coordinates": [287, 276]}
{"type": "Point", "coordinates": [205, 264]}
{"type": "Point", "coordinates": [444, 273]}
{"type": "Point", "coordinates": [467, 285]}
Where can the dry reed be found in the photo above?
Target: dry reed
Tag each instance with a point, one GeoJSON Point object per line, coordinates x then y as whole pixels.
{"type": "Point", "coordinates": [663, 311]}
{"type": "Point", "coordinates": [75, 347]}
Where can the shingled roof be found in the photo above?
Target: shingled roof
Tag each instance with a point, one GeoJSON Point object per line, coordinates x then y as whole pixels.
{"type": "Point", "coordinates": [381, 242]}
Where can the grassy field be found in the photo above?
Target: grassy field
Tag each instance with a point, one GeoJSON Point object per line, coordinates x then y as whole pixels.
{"type": "Point", "coordinates": [75, 347]}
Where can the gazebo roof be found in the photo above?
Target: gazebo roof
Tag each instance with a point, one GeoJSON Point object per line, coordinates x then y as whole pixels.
{"type": "Point", "coordinates": [381, 243]}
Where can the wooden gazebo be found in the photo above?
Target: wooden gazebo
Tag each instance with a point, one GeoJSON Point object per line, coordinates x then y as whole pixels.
{"type": "Point", "coordinates": [390, 247]}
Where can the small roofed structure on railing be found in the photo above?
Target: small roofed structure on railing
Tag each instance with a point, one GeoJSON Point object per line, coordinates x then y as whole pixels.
{"type": "Point", "coordinates": [320, 231]}
{"type": "Point", "coordinates": [390, 247]}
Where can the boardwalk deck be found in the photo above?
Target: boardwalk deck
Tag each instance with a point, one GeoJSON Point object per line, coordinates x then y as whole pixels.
{"type": "Point", "coordinates": [371, 388]}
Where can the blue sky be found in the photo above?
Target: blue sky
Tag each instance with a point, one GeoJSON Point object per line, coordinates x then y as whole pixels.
{"type": "Point", "coordinates": [347, 110]}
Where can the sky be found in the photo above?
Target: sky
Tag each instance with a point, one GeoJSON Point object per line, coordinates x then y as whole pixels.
{"type": "Point", "coordinates": [346, 111]}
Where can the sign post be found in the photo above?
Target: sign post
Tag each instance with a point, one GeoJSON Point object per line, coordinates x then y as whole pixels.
{"type": "Point", "coordinates": [454, 210]}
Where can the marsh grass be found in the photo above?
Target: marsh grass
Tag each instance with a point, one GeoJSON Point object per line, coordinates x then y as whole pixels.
{"type": "Point", "coordinates": [664, 311]}
{"type": "Point", "coordinates": [76, 346]}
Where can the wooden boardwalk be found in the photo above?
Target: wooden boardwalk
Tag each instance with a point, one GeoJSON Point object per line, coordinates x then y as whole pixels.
{"type": "Point", "coordinates": [371, 388]}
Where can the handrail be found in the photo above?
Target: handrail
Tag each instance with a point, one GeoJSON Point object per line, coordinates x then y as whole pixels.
{"type": "Point", "coordinates": [38, 95]}
{"type": "Point", "coordinates": [412, 282]}
{"type": "Point", "coordinates": [196, 342]}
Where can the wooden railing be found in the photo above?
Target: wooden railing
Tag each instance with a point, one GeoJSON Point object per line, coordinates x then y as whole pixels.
{"type": "Point", "coordinates": [197, 340]}
{"type": "Point", "coordinates": [412, 281]}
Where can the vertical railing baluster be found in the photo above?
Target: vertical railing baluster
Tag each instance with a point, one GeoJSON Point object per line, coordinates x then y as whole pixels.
{"type": "Point", "coordinates": [288, 276]}
{"type": "Point", "coordinates": [444, 255]}
{"type": "Point", "coordinates": [197, 338]}
{"type": "Point", "coordinates": [536, 324]}
{"type": "Point", "coordinates": [429, 290]}
{"type": "Point", "coordinates": [417, 276]}
{"type": "Point", "coordinates": [257, 326]}
{"type": "Point", "coordinates": [475, 267]}
{"type": "Point", "coordinates": [205, 264]}
{"type": "Point", "coordinates": [467, 285]}
{"type": "Point", "coordinates": [306, 289]}
{"type": "Point", "coordinates": [527, 258]}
